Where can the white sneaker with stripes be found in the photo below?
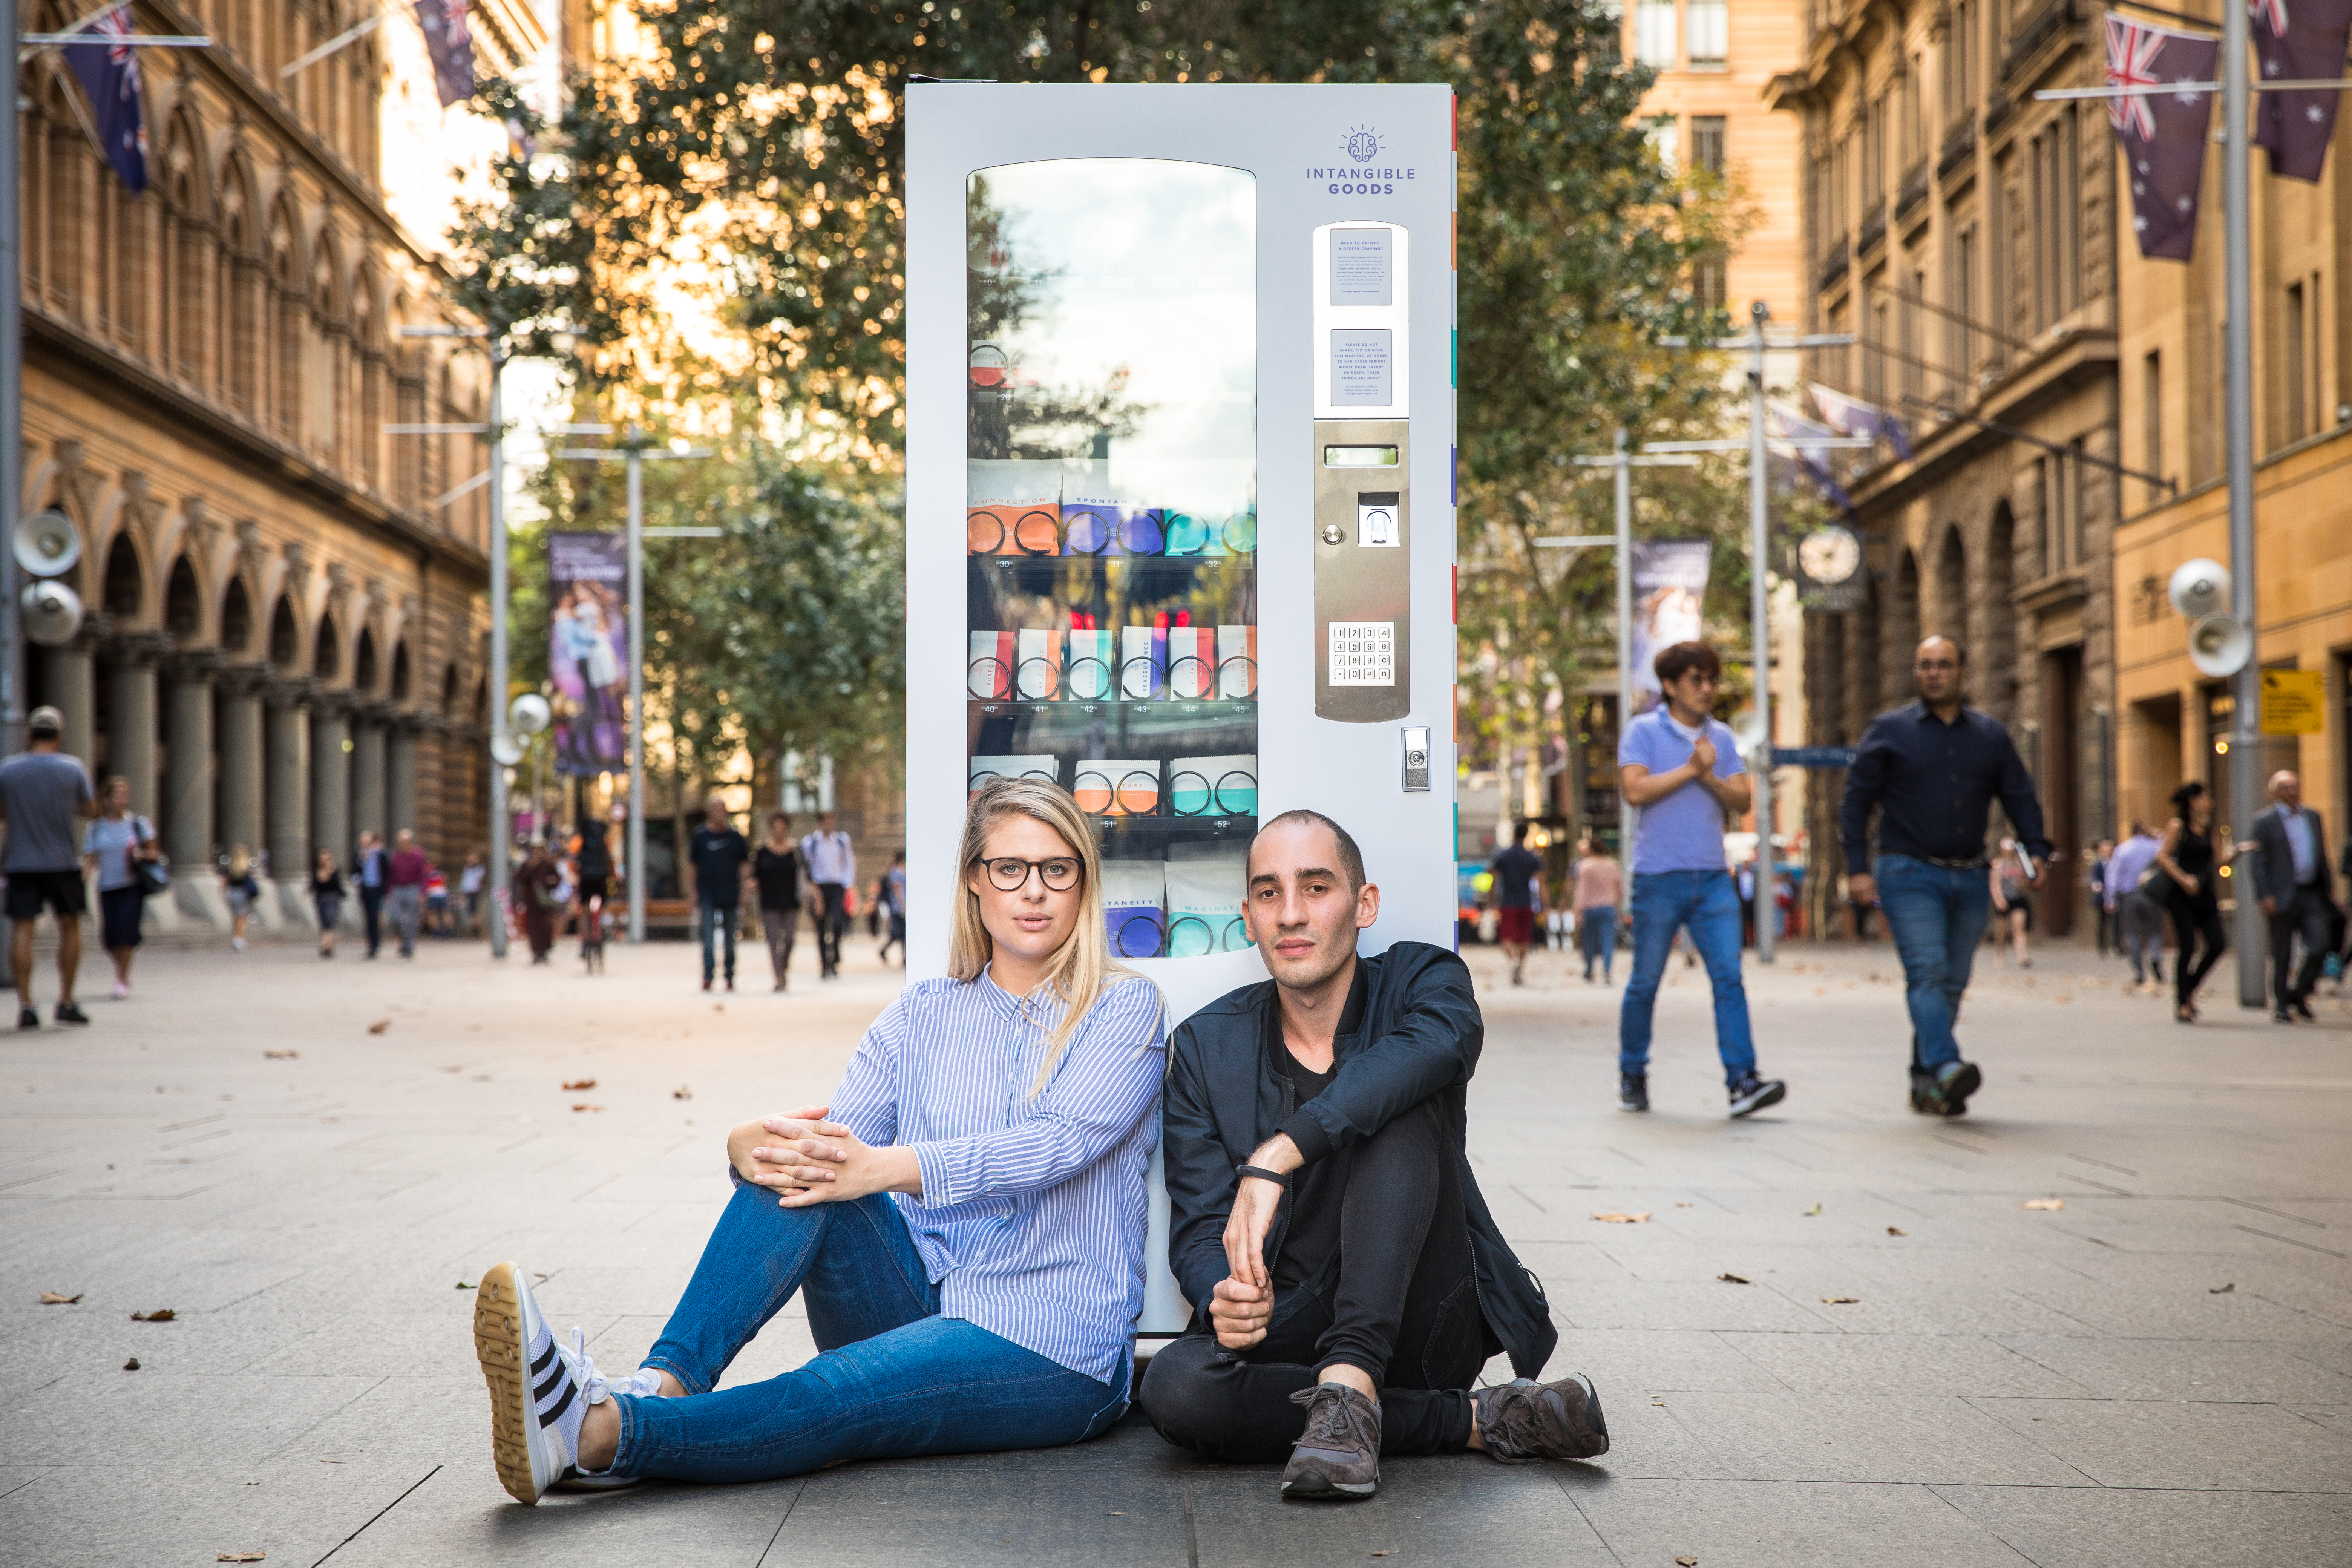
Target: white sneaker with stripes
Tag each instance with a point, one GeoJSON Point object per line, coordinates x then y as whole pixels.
{"type": "Point", "coordinates": [538, 1390]}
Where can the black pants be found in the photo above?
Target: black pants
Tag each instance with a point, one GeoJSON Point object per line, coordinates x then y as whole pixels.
{"type": "Point", "coordinates": [1400, 1301]}
{"type": "Point", "coordinates": [833, 919]}
{"type": "Point", "coordinates": [2193, 919]}
{"type": "Point", "coordinates": [2310, 914]}
{"type": "Point", "coordinates": [372, 906]}
{"type": "Point", "coordinates": [2107, 920]}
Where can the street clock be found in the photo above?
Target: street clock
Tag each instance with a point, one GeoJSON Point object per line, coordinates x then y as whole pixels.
{"type": "Point", "coordinates": [1830, 555]}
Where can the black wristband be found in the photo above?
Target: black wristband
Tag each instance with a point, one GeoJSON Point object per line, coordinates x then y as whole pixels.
{"type": "Point", "coordinates": [1263, 1175]}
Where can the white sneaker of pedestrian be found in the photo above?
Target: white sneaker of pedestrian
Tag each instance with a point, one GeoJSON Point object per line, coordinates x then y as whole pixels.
{"type": "Point", "coordinates": [643, 1384]}
{"type": "Point", "coordinates": [121, 989]}
{"type": "Point", "coordinates": [237, 943]}
{"type": "Point", "coordinates": [536, 1386]}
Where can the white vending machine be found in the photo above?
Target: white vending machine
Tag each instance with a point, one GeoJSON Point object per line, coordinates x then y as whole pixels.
{"type": "Point", "coordinates": [1179, 496]}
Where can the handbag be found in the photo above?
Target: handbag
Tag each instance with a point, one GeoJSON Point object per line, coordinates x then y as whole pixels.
{"type": "Point", "coordinates": [154, 877]}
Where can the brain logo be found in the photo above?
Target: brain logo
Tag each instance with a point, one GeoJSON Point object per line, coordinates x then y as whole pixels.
{"type": "Point", "coordinates": [1363, 146]}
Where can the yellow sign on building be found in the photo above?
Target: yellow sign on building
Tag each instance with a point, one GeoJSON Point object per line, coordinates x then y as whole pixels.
{"type": "Point", "coordinates": [2293, 701]}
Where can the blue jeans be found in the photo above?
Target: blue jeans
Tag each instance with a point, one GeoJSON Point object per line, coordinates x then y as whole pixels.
{"type": "Point", "coordinates": [1664, 901]}
{"type": "Point", "coordinates": [895, 1380]}
{"type": "Point", "coordinates": [1936, 913]}
{"type": "Point", "coordinates": [1596, 936]}
{"type": "Point", "coordinates": [718, 920]}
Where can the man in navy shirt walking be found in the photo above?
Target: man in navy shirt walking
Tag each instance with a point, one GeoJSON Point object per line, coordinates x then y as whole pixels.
{"type": "Point", "coordinates": [1931, 770]}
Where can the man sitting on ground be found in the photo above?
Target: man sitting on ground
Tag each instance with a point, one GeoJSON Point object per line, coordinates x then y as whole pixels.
{"type": "Point", "coordinates": [1324, 1219]}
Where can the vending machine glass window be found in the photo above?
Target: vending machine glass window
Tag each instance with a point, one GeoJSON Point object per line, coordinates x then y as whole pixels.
{"type": "Point", "coordinates": [1111, 522]}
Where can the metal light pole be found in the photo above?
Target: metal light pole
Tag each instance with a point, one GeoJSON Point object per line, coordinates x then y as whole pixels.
{"type": "Point", "coordinates": [2246, 739]}
{"type": "Point", "coordinates": [1759, 597]}
{"type": "Point", "coordinates": [502, 834]}
{"type": "Point", "coordinates": [12, 409]}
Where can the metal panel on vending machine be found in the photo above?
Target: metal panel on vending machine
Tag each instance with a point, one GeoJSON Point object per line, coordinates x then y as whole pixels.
{"type": "Point", "coordinates": [1180, 510]}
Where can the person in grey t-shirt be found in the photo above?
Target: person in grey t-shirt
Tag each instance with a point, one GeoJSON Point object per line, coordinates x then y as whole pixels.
{"type": "Point", "coordinates": [42, 790]}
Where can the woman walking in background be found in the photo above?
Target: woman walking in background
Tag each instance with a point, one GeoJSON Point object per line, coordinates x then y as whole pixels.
{"type": "Point", "coordinates": [239, 888]}
{"type": "Point", "coordinates": [1598, 887]}
{"type": "Point", "coordinates": [594, 879]}
{"type": "Point", "coordinates": [2012, 909]}
{"type": "Point", "coordinates": [776, 869]}
{"type": "Point", "coordinates": [113, 845]}
{"type": "Point", "coordinates": [327, 898]}
{"type": "Point", "coordinates": [2187, 858]}
{"type": "Point", "coordinates": [537, 880]}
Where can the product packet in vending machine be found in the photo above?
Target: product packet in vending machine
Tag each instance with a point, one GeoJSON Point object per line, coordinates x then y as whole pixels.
{"type": "Point", "coordinates": [1213, 786]}
{"type": "Point", "coordinates": [1091, 528]}
{"type": "Point", "coordinates": [1142, 662]}
{"type": "Point", "coordinates": [1090, 668]}
{"type": "Point", "coordinates": [1116, 787]}
{"type": "Point", "coordinates": [1192, 663]}
{"type": "Point", "coordinates": [989, 676]}
{"type": "Point", "coordinates": [980, 770]}
{"type": "Point", "coordinates": [1205, 883]}
{"type": "Point", "coordinates": [1132, 915]}
{"type": "Point", "coordinates": [1236, 662]}
{"type": "Point", "coordinates": [1037, 671]}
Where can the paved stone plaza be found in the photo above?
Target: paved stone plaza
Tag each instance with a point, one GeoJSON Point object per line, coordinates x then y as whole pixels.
{"type": "Point", "coordinates": [1920, 1370]}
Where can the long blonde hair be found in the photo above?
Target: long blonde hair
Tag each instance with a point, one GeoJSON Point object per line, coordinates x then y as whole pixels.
{"type": "Point", "coordinates": [1083, 969]}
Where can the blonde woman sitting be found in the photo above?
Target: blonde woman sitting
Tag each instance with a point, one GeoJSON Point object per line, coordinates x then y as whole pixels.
{"type": "Point", "coordinates": [965, 1219]}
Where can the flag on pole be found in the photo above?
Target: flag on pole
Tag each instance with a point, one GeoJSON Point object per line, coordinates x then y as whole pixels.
{"type": "Point", "coordinates": [109, 70]}
{"type": "Point", "coordinates": [450, 42]}
{"type": "Point", "coordinates": [1855, 418]}
{"type": "Point", "coordinates": [2302, 42]}
{"type": "Point", "coordinates": [2163, 134]}
{"type": "Point", "coordinates": [1808, 439]}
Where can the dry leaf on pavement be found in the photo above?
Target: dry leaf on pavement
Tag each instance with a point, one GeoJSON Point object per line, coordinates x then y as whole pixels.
{"type": "Point", "coordinates": [52, 1299]}
{"type": "Point", "coordinates": [1623, 1219]}
{"type": "Point", "coordinates": [2216, 1290]}
{"type": "Point", "coordinates": [465, 1284]}
{"type": "Point", "coordinates": [1688, 1562]}
{"type": "Point", "coordinates": [1732, 1279]}
{"type": "Point", "coordinates": [2043, 1203]}
{"type": "Point", "coordinates": [160, 1315]}
{"type": "Point", "coordinates": [681, 1092]}
{"type": "Point", "coordinates": [379, 1026]}
{"type": "Point", "coordinates": [131, 1366]}
{"type": "Point", "coordinates": [280, 1056]}
{"type": "Point", "coordinates": [240, 1556]}
{"type": "Point", "coordinates": [1896, 1230]}
{"type": "Point", "coordinates": [577, 1085]}
{"type": "Point", "coordinates": [587, 1108]}
{"type": "Point", "coordinates": [1841, 1300]}
{"type": "Point", "coordinates": [1812, 1211]}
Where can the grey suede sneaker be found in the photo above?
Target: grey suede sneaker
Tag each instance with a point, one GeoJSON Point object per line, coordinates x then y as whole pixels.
{"type": "Point", "coordinates": [1339, 1455]}
{"type": "Point", "coordinates": [1523, 1420]}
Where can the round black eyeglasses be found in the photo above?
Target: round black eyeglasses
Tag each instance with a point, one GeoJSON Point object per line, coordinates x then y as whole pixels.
{"type": "Point", "coordinates": [1009, 874]}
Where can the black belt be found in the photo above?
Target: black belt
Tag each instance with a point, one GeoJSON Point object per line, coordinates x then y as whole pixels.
{"type": "Point", "coordinates": [1978, 864]}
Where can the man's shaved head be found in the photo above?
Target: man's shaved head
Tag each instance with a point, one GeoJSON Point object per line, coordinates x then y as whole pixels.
{"type": "Point", "coordinates": [1351, 858]}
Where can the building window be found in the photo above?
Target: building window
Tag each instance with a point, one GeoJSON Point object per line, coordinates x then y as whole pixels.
{"type": "Point", "coordinates": [1707, 142]}
{"type": "Point", "coordinates": [2077, 493]}
{"type": "Point", "coordinates": [1665, 138]}
{"type": "Point", "coordinates": [1964, 297]}
{"type": "Point", "coordinates": [2151, 387]}
{"type": "Point", "coordinates": [1709, 283]}
{"type": "Point", "coordinates": [1654, 32]}
{"type": "Point", "coordinates": [1710, 34]}
{"type": "Point", "coordinates": [1960, 63]}
{"type": "Point", "coordinates": [2298, 406]}
{"type": "Point", "coordinates": [2046, 503]}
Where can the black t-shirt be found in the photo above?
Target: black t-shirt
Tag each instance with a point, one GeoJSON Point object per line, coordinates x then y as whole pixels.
{"type": "Point", "coordinates": [1515, 868]}
{"type": "Point", "coordinates": [778, 876]}
{"type": "Point", "coordinates": [718, 864]}
{"type": "Point", "coordinates": [1318, 1190]}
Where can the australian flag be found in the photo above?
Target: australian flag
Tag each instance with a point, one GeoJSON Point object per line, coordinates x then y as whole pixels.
{"type": "Point", "coordinates": [449, 40]}
{"type": "Point", "coordinates": [2302, 42]}
{"type": "Point", "coordinates": [1855, 418]}
{"type": "Point", "coordinates": [108, 69]}
{"type": "Point", "coordinates": [2163, 133]}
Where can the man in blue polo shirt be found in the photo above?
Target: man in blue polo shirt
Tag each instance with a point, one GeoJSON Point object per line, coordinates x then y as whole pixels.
{"type": "Point", "coordinates": [1682, 768]}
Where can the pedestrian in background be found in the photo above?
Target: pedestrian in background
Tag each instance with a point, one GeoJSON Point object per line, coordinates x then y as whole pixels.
{"type": "Point", "coordinates": [722, 864]}
{"type": "Point", "coordinates": [1599, 886]}
{"type": "Point", "coordinates": [404, 880]}
{"type": "Point", "coordinates": [1682, 767]}
{"type": "Point", "coordinates": [832, 865]}
{"type": "Point", "coordinates": [327, 898]}
{"type": "Point", "coordinates": [239, 888]}
{"type": "Point", "coordinates": [894, 908]}
{"type": "Point", "coordinates": [114, 846]}
{"type": "Point", "coordinates": [2139, 918]}
{"type": "Point", "coordinates": [2102, 855]}
{"type": "Point", "coordinates": [1519, 895]}
{"type": "Point", "coordinates": [776, 869]}
{"type": "Point", "coordinates": [592, 885]}
{"type": "Point", "coordinates": [2192, 895]}
{"type": "Point", "coordinates": [535, 884]}
{"type": "Point", "coordinates": [470, 878]}
{"type": "Point", "coordinates": [1930, 771]}
{"type": "Point", "coordinates": [368, 874]}
{"type": "Point", "coordinates": [2293, 880]}
{"type": "Point", "coordinates": [2013, 902]}
{"type": "Point", "coordinates": [42, 791]}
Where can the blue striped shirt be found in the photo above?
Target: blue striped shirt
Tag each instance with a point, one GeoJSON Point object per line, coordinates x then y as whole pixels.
{"type": "Point", "coordinates": [1032, 1215]}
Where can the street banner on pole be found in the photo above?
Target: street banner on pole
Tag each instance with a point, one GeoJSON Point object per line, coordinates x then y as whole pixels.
{"type": "Point", "coordinates": [109, 70]}
{"type": "Point", "coordinates": [449, 40]}
{"type": "Point", "coordinates": [2304, 42]}
{"type": "Point", "coordinates": [587, 634]}
{"type": "Point", "coordinates": [2163, 134]}
{"type": "Point", "coordinates": [1669, 591]}
{"type": "Point", "coordinates": [1867, 420]}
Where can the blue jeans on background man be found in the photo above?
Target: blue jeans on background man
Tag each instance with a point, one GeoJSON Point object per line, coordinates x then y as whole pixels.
{"type": "Point", "coordinates": [1596, 936]}
{"type": "Point", "coordinates": [1937, 915]}
{"type": "Point", "coordinates": [895, 1380]}
{"type": "Point", "coordinates": [718, 920]}
{"type": "Point", "coordinates": [1705, 901]}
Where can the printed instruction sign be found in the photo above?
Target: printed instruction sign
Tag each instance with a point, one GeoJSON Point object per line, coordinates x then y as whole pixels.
{"type": "Point", "coordinates": [1360, 266]}
{"type": "Point", "coordinates": [1363, 653]}
{"type": "Point", "coordinates": [1361, 376]}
